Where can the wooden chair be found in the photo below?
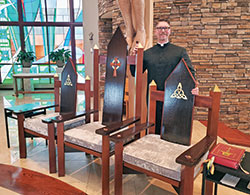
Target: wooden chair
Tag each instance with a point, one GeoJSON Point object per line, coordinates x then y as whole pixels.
{"type": "Point", "coordinates": [93, 137]}
{"type": "Point", "coordinates": [169, 157]}
{"type": "Point", "coordinates": [34, 125]}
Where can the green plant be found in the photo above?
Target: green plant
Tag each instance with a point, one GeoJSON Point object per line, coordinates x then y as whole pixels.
{"type": "Point", "coordinates": [60, 55]}
{"type": "Point", "coordinates": [24, 56]}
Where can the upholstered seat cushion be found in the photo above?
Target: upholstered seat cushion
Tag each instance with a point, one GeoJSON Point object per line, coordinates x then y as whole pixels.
{"type": "Point", "coordinates": [85, 136]}
{"type": "Point", "coordinates": [157, 155]}
{"type": "Point", "coordinates": [35, 123]}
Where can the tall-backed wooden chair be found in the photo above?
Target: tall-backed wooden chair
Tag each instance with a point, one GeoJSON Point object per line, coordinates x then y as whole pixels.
{"type": "Point", "coordinates": [93, 137]}
{"type": "Point", "coordinates": [168, 156]}
{"type": "Point", "coordinates": [66, 91]}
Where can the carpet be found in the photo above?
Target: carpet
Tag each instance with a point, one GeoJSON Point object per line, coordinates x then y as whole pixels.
{"type": "Point", "coordinates": [232, 136]}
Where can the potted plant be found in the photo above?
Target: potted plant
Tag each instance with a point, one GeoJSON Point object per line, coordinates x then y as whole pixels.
{"type": "Point", "coordinates": [26, 58]}
{"type": "Point", "coordinates": [60, 56]}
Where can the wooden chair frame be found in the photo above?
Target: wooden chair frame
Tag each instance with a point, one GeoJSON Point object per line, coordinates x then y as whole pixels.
{"type": "Point", "coordinates": [188, 159]}
{"type": "Point", "coordinates": [106, 131]}
{"type": "Point", "coordinates": [51, 129]}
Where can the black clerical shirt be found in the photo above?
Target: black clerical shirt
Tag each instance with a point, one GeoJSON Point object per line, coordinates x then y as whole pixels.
{"type": "Point", "coordinates": [160, 61]}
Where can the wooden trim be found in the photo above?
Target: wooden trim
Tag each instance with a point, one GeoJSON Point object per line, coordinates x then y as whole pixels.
{"type": "Point", "coordinates": [187, 180]}
{"type": "Point", "coordinates": [157, 95]}
{"type": "Point", "coordinates": [118, 167]}
{"type": "Point", "coordinates": [152, 108]}
{"type": "Point", "coordinates": [52, 148]}
{"type": "Point", "coordinates": [131, 60]}
{"type": "Point", "coordinates": [213, 115]}
{"type": "Point", "coordinates": [60, 149]}
{"type": "Point", "coordinates": [87, 100]}
{"type": "Point", "coordinates": [105, 165]}
{"type": "Point", "coordinates": [139, 67]}
{"type": "Point", "coordinates": [83, 149]}
{"type": "Point", "coordinates": [21, 137]}
{"type": "Point", "coordinates": [96, 83]}
{"type": "Point", "coordinates": [35, 133]}
{"type": "Point", "coordinates": [203, 101]}
{"type": "Point", "coordinates": [57, 84]}
{"type": "Point", "coordinates": [209, 187]}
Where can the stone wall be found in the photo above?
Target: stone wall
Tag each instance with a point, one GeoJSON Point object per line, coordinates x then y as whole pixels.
{"type": "Point", "coordinates": [216, 34]}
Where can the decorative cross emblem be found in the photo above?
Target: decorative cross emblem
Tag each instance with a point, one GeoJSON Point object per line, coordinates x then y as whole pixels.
{"type": "Point", "coordinates": [179, 93]}
{"type": "Point", "coordinates": [115, 64]}
{"type": "Point", "coordinates": [68, 81]}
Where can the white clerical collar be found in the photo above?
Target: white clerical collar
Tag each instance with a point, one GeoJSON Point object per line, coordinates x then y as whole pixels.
{"type": "Point", "coordinates": [162, 44]}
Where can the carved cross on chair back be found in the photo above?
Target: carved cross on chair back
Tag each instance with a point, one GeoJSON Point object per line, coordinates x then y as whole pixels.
{"type": "Point", "coordinates": [68, 88]}
{"type": "Point", "coordinates": [178, 105]}
{"type": "Point", "coordinates": [115, 78]}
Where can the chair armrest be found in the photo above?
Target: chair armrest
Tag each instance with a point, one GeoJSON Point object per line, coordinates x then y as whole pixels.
{"type": "Point", "coordinates": [27, 108]}
{"type": "Point", "coordinates": [128, 133]}
{"type": "Point", "coordinates": [67, 116]}
{"type": "Point", "coordinates": [116, 126]}
{"type": "Point", "coordinates": [192, 156]}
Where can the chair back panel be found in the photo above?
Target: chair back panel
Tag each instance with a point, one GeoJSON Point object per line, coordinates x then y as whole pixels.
{"type": "Point", "coordinates": [115, 78]}
{"type": "Point", "coordinates": [178, 106]}
{"type": "Point", "coordinates": [68, 88]}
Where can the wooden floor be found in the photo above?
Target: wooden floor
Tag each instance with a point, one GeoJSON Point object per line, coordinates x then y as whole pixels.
{"type": "Point", "coordinates": [25, 181]}
{"type": "Point", "coordinates": [82, 171]}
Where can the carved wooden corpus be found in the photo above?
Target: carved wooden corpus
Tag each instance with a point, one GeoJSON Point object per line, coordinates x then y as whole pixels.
{"type": "Point", "coordinates": [68, 88]}
{"type": "Point", "coordinates": [178, 105]}
{"type": "Point", "coordinates": [115, 78]}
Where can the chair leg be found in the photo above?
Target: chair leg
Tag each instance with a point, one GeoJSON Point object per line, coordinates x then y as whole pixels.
{"type": "Point", "coordinates": [52, 149]}
{"type": "Point", "coordinates": [22, 140]}
{"type": "Point", "coordinates": [208, 187]}
{"type": "Point", "coordinates": [105, 165]}
{"type": "Point", "coordinates": [60, 149]}
{"type": "Point", "coordinates": [187, 180]}
{"type": "Point", "coordinates": [118, 167]}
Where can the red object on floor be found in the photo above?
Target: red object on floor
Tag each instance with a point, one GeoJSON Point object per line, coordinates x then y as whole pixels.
{"type": "Point", "coordinates": [24, 181]}
{"type": "Point", "coordinates": [232, 136]}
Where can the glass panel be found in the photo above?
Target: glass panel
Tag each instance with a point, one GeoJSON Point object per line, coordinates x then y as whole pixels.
{"type": "Point", "coordinates": [36, 41]}
{"type": "Point", "coordinates": [58, 11]}
{"type": "Point", "coordinates": [78, 10]}
{"type": "Point", "coordinates": [9, 47]}
{"type": "Point", "coordinates": [8, 10]}
{"type": "Point", "coordinates": [59, 37]}
{"type": "Point", "coordinates": [32, 10]}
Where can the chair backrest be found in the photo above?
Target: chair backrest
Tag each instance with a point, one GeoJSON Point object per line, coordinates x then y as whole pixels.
{"type": "Point", "coordinates": [212, 102]}
{"type": "Point", "coordinates": [178, 105]}
{"type": "Point", "coordinates": [115, 78]}
{"type": "Point", "coordinates": [68, 88]}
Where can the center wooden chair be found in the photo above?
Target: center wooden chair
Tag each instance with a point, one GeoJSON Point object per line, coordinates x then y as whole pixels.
{"type": "Point", "coordinates": [93, 138]}
{"type": "Point", "coordinates": [66, 91]}
{"type": "Point", "coordinates": [169, 156]}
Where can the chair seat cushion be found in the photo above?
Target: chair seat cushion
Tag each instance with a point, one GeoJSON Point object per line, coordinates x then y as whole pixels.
{"type": "Point", "coordinates": [85, 136]}
{"type": "Point", "coordinates": [157, 155]}
{"type": "Point", "coordinates": [35, 123]}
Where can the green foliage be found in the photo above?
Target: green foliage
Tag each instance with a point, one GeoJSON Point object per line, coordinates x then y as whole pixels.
{"type": "Point", "coordinates": [25, 56]}
{"type": "Point", "coordinates": [61, 54]}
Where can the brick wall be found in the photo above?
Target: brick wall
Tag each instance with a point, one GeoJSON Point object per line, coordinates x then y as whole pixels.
{"type": "Point", "coordinates": [216, 34]}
